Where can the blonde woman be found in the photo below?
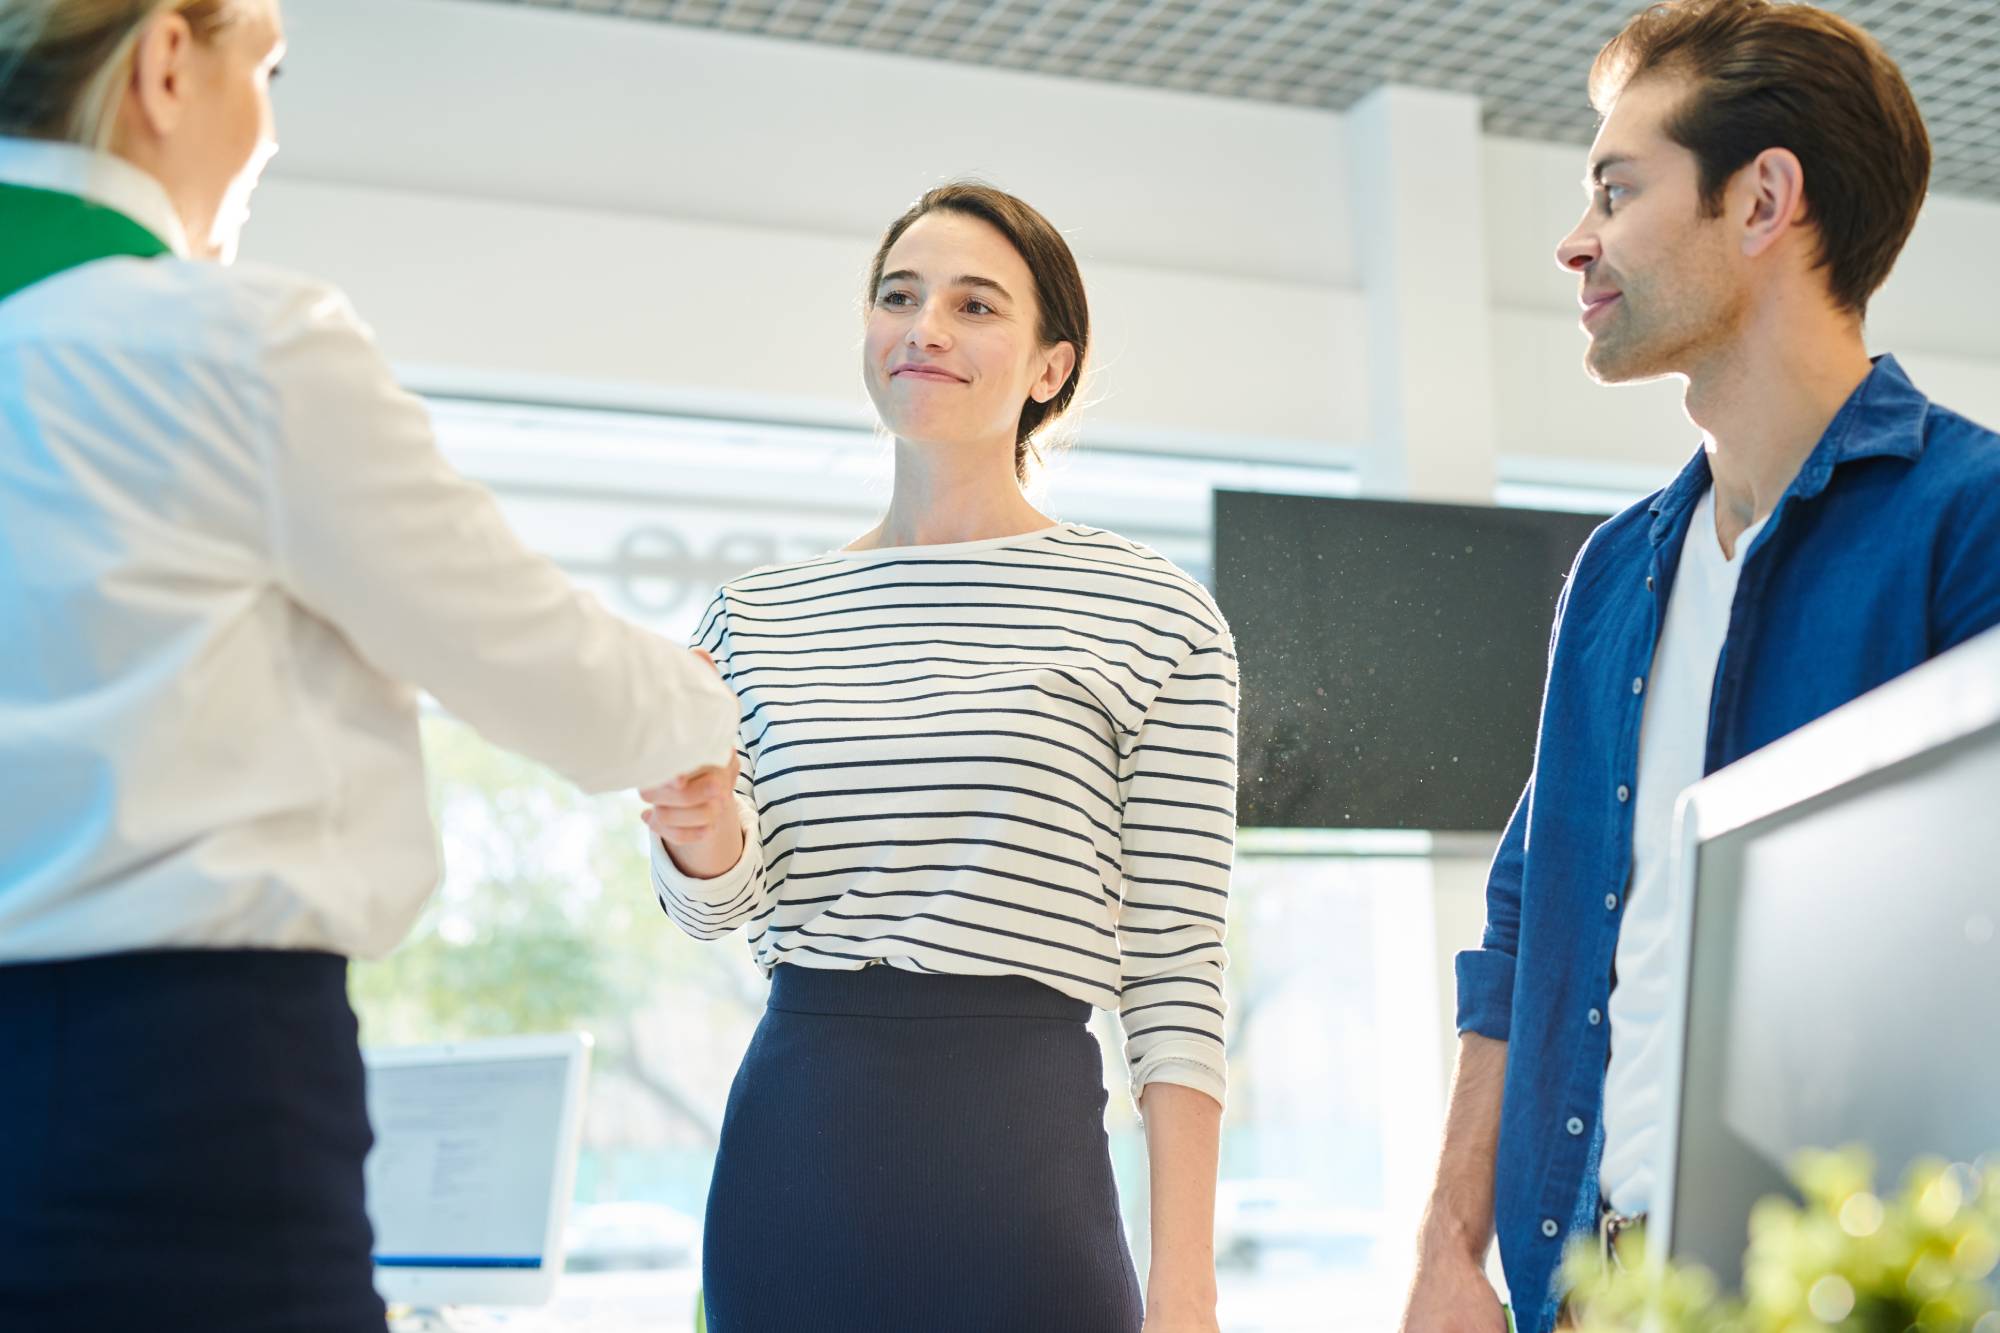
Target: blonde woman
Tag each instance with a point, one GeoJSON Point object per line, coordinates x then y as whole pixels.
{"type": "Point", "coordinates": [228, 551]}
{"type": "Point", "coordinates": [988, 783]}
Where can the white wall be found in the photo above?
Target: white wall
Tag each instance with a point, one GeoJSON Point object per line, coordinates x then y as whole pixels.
{"type": "Point", "coordinates": [557, 203]}
{"type": "Point", "coordinates": [1935, 313]}
{"type": "Point", "coordinates": [642, 208]}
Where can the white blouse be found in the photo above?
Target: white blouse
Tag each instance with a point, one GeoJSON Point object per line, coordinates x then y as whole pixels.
{"type": "Point", "coordinates": [230, 555]}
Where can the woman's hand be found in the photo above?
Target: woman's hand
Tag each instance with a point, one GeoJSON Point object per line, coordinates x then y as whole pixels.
{"type": "Point", "coordinates": [1183, 1142]}
{"type": "Point", "coordinates": [695, 815]}
{"type": "Point", "coordinates": [1165, 1316]}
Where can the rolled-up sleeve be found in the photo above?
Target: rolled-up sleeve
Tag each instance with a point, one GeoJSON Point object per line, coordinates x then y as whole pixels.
{"type": "Point", "coordinates": [1486, 974]}
{"type": "Point", "coordinates": [1179, 838]}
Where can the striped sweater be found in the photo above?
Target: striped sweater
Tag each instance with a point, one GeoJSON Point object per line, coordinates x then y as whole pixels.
{"type": "Point", "coordinates": [1014, 756]}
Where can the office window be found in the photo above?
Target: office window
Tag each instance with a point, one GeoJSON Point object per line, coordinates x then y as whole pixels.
{"type": "Point", "coordinates": [546, 919]}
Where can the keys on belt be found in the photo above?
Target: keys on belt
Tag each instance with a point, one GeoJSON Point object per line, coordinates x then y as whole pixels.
{"type": "Point", "coordinates": [1612, 1224]}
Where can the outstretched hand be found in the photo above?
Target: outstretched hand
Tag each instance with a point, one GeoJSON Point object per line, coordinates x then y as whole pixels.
{"type": "Point", "coordinates": [695, 815]}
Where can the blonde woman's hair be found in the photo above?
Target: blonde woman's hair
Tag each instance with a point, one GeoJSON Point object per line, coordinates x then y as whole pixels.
{"type": "Point", "coordinates": [64, 63]}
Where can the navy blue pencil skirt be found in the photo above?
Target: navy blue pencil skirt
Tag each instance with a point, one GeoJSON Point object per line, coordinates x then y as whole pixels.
{"type": "Point", "coordinates": [907, 1151]}
{"type": "Point", "coordinates": [181, 1143]}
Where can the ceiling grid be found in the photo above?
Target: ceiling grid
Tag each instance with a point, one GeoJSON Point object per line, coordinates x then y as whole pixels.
{"type": "Point", "coordinates": [1524, 59]}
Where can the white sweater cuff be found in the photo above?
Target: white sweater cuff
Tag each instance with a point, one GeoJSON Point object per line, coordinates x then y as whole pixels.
{"type": "Point", "coordinates": [718, 891]}
{"type": "Point", "coordinates": [1183, 1070]}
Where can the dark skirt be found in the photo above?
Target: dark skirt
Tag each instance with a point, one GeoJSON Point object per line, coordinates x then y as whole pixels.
{"type": "Point", "coordinates": [181, 1143]}
{"type": "Point", "coordinates": [906, 1151]}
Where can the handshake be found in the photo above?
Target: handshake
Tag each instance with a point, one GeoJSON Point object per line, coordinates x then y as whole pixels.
{"type": "Point", "coordinates": [695, 817]}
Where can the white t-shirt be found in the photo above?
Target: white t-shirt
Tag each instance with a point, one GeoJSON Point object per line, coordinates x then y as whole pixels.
{"type": "Point", "coordinates": [1673, 740]}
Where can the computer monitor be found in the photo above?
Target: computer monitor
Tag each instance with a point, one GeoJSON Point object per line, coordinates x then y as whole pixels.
{"type": "Point", "coordinates": [473, 1165]}
{"type": "Point", "coordinates": [1839, 952]}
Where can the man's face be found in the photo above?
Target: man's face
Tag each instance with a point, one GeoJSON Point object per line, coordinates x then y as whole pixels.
{"type": "Point", "coordinates": [1662, 287]}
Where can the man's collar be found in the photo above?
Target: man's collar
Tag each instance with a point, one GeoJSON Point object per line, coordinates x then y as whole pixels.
{"type": "Point", "coordinates": [68, 168]}
{"type": "Point", "coordinates": [1883, 417]}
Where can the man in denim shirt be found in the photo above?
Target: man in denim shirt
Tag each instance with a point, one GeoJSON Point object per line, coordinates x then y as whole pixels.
{"type": "Point", "coordinates": [1758, 170]}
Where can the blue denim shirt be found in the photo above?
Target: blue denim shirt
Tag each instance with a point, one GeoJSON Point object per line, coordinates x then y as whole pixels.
{"type": "Point", "coordinates": [1883, 552]}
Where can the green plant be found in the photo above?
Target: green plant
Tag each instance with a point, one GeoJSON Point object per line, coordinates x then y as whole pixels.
{"type": "Point", "coordinates": [1922, 1261]}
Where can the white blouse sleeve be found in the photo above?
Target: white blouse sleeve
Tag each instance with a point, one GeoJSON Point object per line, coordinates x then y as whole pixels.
{"type": "Point", "coordinates": [372, 530]}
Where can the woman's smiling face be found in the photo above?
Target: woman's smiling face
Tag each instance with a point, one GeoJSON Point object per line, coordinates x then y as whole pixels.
{"type": "Point", "coordinates": [953, 347]}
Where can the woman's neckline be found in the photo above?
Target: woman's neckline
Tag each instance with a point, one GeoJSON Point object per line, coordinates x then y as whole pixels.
{"type": "Point", "coordinates": [951, 548]}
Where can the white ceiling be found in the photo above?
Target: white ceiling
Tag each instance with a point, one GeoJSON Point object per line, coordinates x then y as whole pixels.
{"type": "Point", "coordinates": [1525, 59]}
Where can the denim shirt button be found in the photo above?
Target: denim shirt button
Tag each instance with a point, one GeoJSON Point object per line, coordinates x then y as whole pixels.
{"type": "Point", "coordinates": [1610, 902]}
{"type": "Point", "coordinates": [1649, 583]}
{"type": "Point", "coordinates": [1624, 793]}
{"type": "Point", "coordinates": [1638, 684]}
{"type": "Point", "coordinates": [1596, 1017]}
{"type": "Point", "coordinates": [1575, 1126]}
{"type": "Point", "coordinates": [1549, 1227]}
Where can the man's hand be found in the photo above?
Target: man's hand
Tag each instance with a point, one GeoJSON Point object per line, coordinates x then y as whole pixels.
{"type": "Point", "coordinates": [1451, 1295]}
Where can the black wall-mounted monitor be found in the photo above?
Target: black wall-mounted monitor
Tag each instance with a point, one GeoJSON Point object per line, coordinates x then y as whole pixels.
{"type": "Point", "coordinates": [1392, 655]}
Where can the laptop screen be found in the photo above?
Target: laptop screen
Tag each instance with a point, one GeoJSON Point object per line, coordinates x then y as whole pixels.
{"type": "Point", "coordinates": [465, 1161]}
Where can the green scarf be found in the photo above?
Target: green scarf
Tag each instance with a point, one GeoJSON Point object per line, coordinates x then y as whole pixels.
{"type": "Point", "coordinates": [43, 233]}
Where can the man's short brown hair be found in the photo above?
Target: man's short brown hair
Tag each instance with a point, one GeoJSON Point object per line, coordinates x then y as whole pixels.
{"type": "Point", "coordinates": [1777, 75]}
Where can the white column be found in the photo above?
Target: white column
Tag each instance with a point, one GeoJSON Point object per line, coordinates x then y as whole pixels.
{"type": "Point", "coordinates": [1415, 160]}
{"type": "Point", "coordinates": [1420, 233]}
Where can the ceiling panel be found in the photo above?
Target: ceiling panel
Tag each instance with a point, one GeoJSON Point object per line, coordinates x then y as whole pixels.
{"type": "Point", "coordinates": [1525, 59]}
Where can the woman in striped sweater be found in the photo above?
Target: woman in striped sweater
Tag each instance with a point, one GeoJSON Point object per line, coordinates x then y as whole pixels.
{"type": "Point", "coordinates": [987, 781]}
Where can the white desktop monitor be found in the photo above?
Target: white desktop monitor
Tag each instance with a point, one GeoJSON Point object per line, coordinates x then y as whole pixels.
{"type": "Point", "coordinates": [1838, 953]}
{"type": "Point", "coordinates": [474, 1161]}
